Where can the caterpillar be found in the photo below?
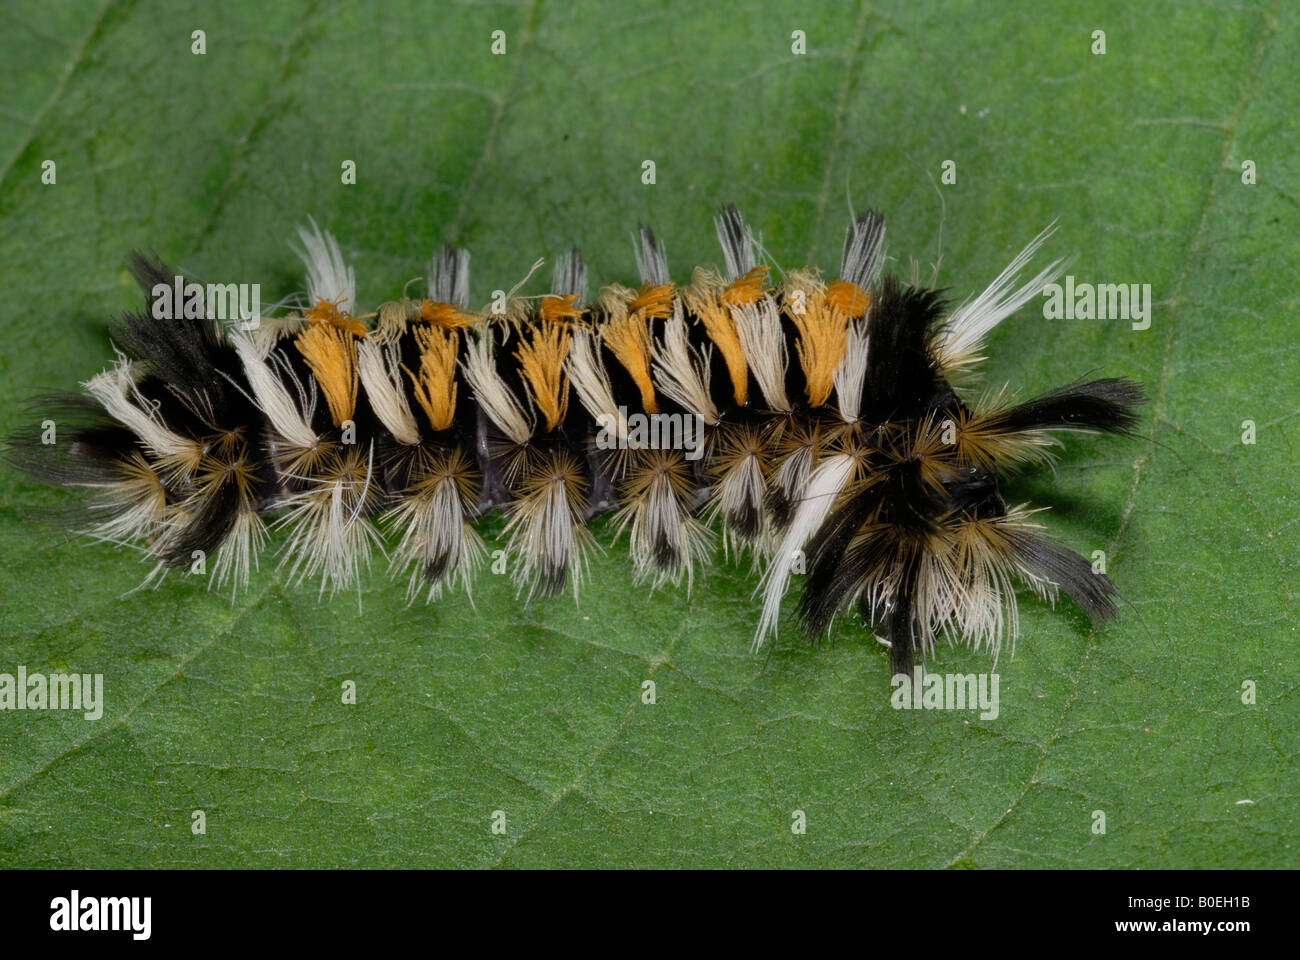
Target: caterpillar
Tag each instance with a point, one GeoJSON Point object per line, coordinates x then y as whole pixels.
{"type": "Point", "coordinates": [815, 427]}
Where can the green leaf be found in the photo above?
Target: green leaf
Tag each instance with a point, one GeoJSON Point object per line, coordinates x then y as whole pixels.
{"type": "Point", "coordinates": [536, 710]}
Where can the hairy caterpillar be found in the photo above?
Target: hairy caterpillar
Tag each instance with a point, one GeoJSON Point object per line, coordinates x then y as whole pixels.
{"type": "Point", "coordinates": [816, 429]}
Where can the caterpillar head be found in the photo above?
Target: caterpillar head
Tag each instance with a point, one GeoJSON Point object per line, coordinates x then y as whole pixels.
{"type": "Point", "coordinates": [921, 538]}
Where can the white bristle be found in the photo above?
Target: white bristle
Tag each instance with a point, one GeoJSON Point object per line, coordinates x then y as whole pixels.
{"type": "Point", "coordinates": [762, 339]}
{"type": "Point", "coordinates": [491, 391]}
{"type": "Point", "coordinates": [379, 368]}
{"type": "Point", "coordinates": [850, 375]}
{"type": "Point", "coordinates": [824, 486]}
{"type": "Point", "coordinates": [329, 278]}
{"type": "Point", "coordinates": [963, 335]}
{"type": "Point", "coordinates": [290, 419]}
{"type": "Point", "coordinates": [682, 371]}
{"type": "Point", "coordinates": [116, 392]}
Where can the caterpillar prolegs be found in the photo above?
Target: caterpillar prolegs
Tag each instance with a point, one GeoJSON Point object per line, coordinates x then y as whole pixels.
{"type": "Point", "coordinates": [810, 425]}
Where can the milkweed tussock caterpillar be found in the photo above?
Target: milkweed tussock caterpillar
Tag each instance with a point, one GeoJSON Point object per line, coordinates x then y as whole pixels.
{"type": "Point", "coordinates": [829, 439]}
